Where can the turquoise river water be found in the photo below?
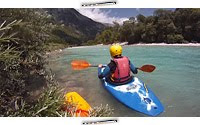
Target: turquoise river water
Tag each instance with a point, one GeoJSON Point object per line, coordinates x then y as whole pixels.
{"type": "Point", "coordinates": [176, 80]}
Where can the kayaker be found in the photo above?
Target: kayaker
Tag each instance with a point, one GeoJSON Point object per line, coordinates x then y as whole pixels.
{"type": "Point", "coordinates": [119, 69]}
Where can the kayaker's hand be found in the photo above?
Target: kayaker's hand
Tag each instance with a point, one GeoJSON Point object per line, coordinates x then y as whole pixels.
{"type": "Point", "coordinates": [100, 65]}
{"type": "Point", "coordinates": [136, 70]}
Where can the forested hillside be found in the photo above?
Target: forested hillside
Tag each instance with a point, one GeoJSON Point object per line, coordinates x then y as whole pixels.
{"type": "Point", "coordinates": [164, 26]}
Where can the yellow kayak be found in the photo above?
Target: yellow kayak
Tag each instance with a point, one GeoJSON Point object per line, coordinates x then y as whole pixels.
{"type": "Point", "coordinates": [81, 106]}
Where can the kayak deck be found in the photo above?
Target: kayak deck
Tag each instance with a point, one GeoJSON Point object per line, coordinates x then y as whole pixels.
{"type": "Point", "coordinates": [136, 95]}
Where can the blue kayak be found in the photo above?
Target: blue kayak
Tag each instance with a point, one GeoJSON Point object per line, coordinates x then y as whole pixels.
{"type": "Point", "coordinates": [136, 95]}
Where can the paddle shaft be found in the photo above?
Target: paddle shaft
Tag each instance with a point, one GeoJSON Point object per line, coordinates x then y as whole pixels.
{"type": "Point", "coordinates": [93, 65]}
{"type": "Point", "coordinates": [139, 68]}
{"type": "Point", "coordinates": [97, 66]}
{"type": "Point", "coordinates": [82, 64]}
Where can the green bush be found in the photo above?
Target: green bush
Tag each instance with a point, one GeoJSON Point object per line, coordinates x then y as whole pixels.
{"type": "Point", "coordinates": [22, 69]}
{"type": "Point", "coordinates": [177, 38]}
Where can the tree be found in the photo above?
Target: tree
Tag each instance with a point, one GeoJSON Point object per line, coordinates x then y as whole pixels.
{"type": "Point", "coordinates": [126, 31]}
{"type": "Point", "coordinates": [165, 26]}
{"type": "Point", "coordinates": [149, 35]}
{"type": "Point", "coordinates": [141, 18]}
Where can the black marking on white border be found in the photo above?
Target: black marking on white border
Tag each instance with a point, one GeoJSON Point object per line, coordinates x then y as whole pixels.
{"type": "Point", "coordinates": [99, 4]}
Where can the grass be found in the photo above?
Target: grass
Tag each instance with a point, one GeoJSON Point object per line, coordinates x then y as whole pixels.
{"type": "Point", "coordinates": [22, 65]}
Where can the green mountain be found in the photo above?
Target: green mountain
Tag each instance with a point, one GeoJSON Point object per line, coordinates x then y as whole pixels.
{"type": "Point", "coordinates": [82, 25]}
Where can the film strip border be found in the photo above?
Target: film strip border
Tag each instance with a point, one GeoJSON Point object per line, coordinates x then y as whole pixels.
{"type": "Point", "coordinates": [98, 4]}
{"type": "Point", "coordinates": [100, 122]}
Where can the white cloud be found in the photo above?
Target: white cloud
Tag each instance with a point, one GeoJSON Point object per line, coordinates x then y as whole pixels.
{"type": "Point", "coordinates": [138, 9]}
{"type": "Point", "coordinates": [101, 16]}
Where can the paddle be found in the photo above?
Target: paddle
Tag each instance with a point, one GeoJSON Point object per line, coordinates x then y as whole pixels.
{"type": "Point", "coordinates": [147, 68]}
{"type": "Point", "coordinates": [83, 64]}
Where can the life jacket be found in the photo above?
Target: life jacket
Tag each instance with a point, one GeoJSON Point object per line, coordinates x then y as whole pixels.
{"type": "Point", "coordinates": [122, 71]}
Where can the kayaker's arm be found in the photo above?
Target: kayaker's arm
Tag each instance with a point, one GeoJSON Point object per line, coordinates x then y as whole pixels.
{"type": "Point", "coordinates": [105, 72]}
{"type": "Point", "coordinates": [133, 68]}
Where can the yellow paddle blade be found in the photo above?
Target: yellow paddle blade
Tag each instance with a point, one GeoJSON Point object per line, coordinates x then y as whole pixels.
{"type": "Point", "coordinates": [147, 68]}
{"type": "Point", "coordinates": [79, 64]}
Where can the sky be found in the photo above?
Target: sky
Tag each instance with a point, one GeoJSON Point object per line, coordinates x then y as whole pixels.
{"type": "Point", "coordinates": [108, 15]}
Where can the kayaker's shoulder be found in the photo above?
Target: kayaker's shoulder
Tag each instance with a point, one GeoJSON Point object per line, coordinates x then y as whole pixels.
{"type": "Point", "coordinates": [111, 64]}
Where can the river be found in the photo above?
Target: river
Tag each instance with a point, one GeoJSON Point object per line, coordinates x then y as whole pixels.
{"type": "Point", "coordinates": [176, 80]}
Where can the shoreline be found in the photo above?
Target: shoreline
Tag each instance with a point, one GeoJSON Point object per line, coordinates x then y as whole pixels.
{"type": "Point", "coordinates": [138, 44]}
{"type": "Point", "coordinates": [165, 44]}
{"type": "Point", "coordinates": [141, 44]}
